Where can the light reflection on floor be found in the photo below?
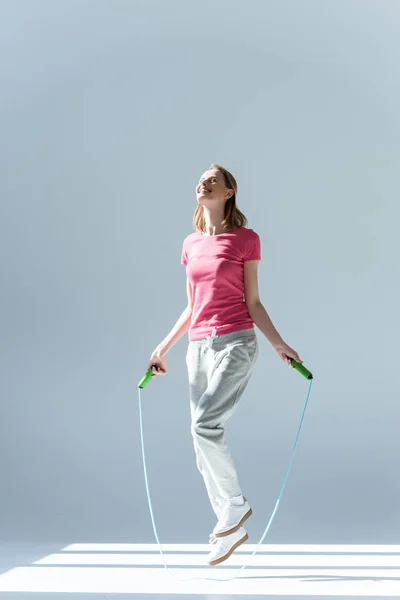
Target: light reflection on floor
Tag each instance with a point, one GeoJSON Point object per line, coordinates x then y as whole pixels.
{"type": "Point", "coordinates": [292, 570]}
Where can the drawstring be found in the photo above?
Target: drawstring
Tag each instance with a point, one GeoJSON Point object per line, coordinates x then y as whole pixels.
{"type": "Point", "coordinates": [211, 537]}
{"type": "Point", "coordinates": [211, 337]}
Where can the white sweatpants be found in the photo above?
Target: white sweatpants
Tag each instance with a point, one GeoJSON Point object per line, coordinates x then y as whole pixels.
{"type": "Point", "coordinates": [219, 368]}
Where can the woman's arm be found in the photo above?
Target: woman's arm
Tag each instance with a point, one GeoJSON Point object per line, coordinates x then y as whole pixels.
{"type": "Point", "coordinates": [178, 330]}
{"type": "Point", "coordinates": [260, 316]}
{"type": "Point", "coordinates": [180, 327]}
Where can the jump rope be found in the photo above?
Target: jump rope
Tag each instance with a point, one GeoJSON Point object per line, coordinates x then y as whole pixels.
{"type": "Point", "coordinates": [143, 382]}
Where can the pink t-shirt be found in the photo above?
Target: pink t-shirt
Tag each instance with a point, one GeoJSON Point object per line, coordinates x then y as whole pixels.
{"type": "Point", "coordinates": [215, 269]}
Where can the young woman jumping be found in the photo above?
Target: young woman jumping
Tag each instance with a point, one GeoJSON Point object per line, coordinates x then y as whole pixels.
{"type": "Point", "coordinates": [223, 304]}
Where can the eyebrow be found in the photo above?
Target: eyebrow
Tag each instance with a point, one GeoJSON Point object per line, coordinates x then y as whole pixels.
{"type": "Point", "coordinates": [212, 177]}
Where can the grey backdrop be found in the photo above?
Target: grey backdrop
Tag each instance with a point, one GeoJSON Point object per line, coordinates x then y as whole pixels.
{"type": "Point", "coordinates": [110, 111]}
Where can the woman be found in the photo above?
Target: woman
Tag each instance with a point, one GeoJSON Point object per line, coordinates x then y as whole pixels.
{"type": "Point", "coordinates": [221, 259]}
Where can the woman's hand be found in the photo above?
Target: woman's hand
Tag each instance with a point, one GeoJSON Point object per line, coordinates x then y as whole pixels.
{"type": "Point", "coordinates": [285, 352]}
{"type": "Point", "coordinates": [158, 363]}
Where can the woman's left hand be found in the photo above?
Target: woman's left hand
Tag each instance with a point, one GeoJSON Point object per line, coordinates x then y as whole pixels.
{"type": "Point", "coordinates": [285, 352]}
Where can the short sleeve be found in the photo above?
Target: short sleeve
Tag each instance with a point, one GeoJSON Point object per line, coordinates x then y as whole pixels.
{"type": "Point", "coordinates": [252, 250]}
{"type": "Point", "coordinates": [184, 258]}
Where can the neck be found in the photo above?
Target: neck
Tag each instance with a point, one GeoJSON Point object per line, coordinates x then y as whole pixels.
{"type": "Point", "coordinates": [214, 231]}
{"type": "Point", "coordinates": [213, 221]}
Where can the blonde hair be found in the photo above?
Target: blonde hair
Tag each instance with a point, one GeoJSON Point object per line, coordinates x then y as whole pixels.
{"type": "Point", "coordinates": [233, 217]}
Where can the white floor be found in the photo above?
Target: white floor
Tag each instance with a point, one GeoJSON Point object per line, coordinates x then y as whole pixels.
{"type": "Point", "coordinates": [334, 571]}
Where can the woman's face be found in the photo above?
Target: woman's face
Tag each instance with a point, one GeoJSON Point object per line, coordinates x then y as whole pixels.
{"type": "Point", "coordinates": [211, 187]}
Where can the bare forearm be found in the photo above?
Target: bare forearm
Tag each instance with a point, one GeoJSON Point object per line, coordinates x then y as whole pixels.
{"type": "Point", "coordinates": [261, 318]}
{"type": "Point", "coordinates": [178, 330]}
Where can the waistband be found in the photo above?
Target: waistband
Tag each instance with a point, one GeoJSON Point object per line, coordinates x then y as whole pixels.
{"type": "Point", "coordinates": [225, 337]}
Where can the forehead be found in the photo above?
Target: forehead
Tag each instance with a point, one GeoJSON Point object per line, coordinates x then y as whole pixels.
{"type": "Point", "coordinates": [210, 173]}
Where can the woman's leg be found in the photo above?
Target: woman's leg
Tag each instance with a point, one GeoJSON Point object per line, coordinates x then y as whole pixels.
{"type": "Point", "coordinates": [199, 365]}
{"type": "Point", "coordinates": [225, 369]}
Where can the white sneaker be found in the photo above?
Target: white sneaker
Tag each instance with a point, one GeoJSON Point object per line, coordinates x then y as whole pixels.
{"type": "Point", "coordinates": [225, 546]}
{"type": "Point", "coordinates": [232, 518]}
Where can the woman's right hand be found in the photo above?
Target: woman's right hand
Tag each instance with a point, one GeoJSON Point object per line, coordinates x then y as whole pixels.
{"type": "Point", "coordinates": [158, 363]}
